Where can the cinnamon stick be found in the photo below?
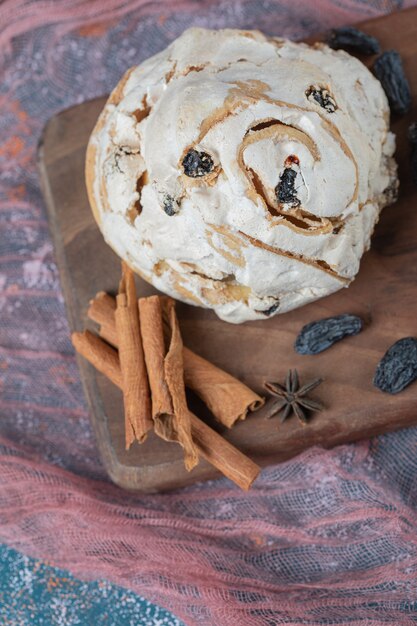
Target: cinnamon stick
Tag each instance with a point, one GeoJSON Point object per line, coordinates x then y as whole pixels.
{"type": "Point", "coordinates": [174, 376]}
{"type": "Point", "coordinates": [101, 310]}
{"type": "Point", "coordinates": [136, 396]}
{"type": "Point", "coordinates": [210, 445]}
{"type": "Point", "coordinates": [104, 358]}
{"type": "Point", "coordinates": [166, 377]}
{"type": "Point", "coordinates": [154, 352]}
{"type": "Point", "coordinates": [228, 398]}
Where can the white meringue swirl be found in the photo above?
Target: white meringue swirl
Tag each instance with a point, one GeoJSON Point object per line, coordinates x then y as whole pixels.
{"type": "Point", "coordinates": [292, 159]}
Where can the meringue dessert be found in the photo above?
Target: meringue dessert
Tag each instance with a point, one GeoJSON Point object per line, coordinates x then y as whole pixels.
{"type": "Point", "coordinates": [243, 173]}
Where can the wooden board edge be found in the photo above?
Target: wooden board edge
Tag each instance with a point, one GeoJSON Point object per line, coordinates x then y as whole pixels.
{"type": "Point", "coordinates": [107, 455]}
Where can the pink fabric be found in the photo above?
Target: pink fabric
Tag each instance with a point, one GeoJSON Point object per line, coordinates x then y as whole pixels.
{"type": "Point", "coordinates": [327, 538]}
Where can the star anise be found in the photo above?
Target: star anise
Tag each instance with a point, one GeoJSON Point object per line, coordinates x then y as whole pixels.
{"type": "Point", "coordinates": [292, 397]}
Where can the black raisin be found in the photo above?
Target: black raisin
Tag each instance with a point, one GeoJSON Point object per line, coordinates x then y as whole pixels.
{"type": "Point", "coordinates": [391, 192]}
{"type": "Point", "coordinates": [318, 336]}
{"type": "Point", "coordinates": [388, 68]}
{"type": "Point", "coordinates": [285, 190]}
{"type": "Point", "coordinates": [323, 97]}
{"type": "Point", "coordinates": [412, 136]}
{"type": "Point", "coordinates": [197, 164]}
{"type": "Point", "coordinates": [412, 133]}
{"type": "Point", "coordinates": [398, 367]}
{"type": "Point", "coordinates": [354, 40]}
{"type": "Point", "coordinates": [270, 311]}
{"type": "Point", "coordinates": [170, 205]}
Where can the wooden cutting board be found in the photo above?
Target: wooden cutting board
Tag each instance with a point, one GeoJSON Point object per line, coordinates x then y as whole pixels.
{"type": "Point", "coordinates": [384, 294]}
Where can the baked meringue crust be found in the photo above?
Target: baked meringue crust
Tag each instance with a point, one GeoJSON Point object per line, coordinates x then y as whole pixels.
{"type": "Point", "coordinates": [301, 165]}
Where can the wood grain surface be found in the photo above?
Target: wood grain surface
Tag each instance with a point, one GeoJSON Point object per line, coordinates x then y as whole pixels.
{"type": "Point", "coordinates": [384, 294]}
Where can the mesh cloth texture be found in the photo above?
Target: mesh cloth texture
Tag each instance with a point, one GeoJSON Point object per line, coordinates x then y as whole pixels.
{"type": "Point", "coordinates": [327, 538]}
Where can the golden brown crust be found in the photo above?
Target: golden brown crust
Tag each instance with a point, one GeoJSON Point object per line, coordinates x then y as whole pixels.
{"type": "Point", "coordinates": [90, 161]}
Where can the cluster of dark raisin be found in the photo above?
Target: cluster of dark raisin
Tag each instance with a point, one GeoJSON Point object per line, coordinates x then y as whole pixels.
{"type": "Point", "coordinates": [323, 97]}
{"type": "Point", "coordinates": [197, 164]}
{"type": "Point", "coordinates": [321, 335]}
{"type": "Point", "coordinates": [285, 190]}
{"type": "Point", "coordinates": [396, 370]}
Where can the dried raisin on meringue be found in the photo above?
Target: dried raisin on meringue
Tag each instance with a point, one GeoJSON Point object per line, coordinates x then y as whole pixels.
{"type": "Point", "coordinates": [197, 164]}
{"type": "Point", "coordinates": [285, 190]}
{"type": "Point", "coordinates": [170, 205]}
{"type": "Point", "coordinates": [270, 311]}
{"type": "Point", "coordinates": [323, 97]}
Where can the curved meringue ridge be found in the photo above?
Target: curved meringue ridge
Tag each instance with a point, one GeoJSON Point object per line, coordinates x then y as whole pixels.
{"type": "Point", "coordinates": [243, 173]}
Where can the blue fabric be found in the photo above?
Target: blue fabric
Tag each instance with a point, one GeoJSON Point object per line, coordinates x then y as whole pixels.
{"type": "Point", "coordinates": [34, 594]}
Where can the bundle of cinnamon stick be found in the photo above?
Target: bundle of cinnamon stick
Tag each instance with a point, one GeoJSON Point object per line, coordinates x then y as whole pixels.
{"type": "Point", "coordinates": [140, 350]}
